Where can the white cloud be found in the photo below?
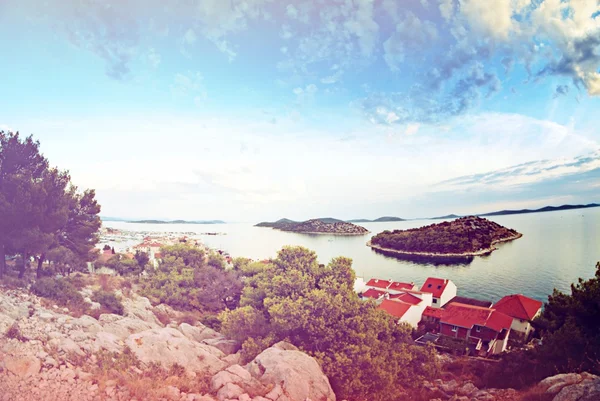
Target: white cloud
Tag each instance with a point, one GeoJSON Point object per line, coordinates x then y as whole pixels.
{"type": "Point", "coordinates": [492, 19]}
{"type": "Point", "coordinates": [446, 9]}
{"type": "Point", "coordinates": [190, 37]}
{"type": "Point", "coordinates": [154, 58]}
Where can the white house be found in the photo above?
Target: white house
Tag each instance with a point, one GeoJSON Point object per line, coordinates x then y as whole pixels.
{"type": "Point", "coordinates": [442, 290]}
{"type": "Point", "coordinates": [522, 310]}
{"type": "Point", "coordinates": [406, 306]}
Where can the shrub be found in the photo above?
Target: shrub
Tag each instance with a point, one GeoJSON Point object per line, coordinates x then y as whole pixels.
{"type": "Point", "coordinates": [14, 332]}
{"type": "Point", "coordinates": [109, 301]}
{"type": "Point", "coordinates": [59, 290]}
{"type": "Point", "coordinates": [211, 321]}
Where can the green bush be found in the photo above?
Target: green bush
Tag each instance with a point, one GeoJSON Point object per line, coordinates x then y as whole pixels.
{"type": "Point", "coordinates": [109, 301]}
{"type": "Point", "coordinates": [59, 290]}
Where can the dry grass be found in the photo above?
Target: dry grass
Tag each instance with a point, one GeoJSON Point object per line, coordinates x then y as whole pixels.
{"type": "Point", "coordinates": [535, 394]}
{"type": "Point", "coordinates": [189, 317]}
{"type": "Point", "coordinates": [145, 383]}
{"type": "Point", "coordinates": [162, 317]}
{"type": "Point", "coordinates": [108, 283]}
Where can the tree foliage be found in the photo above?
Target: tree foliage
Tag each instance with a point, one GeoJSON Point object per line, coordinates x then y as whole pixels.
{"type": "Point", "coordinates": [570, 331]}
{"type": "Point", "coordinates": [363, 352]}
{"type": "Point", "coordinates": [467, 234]}
{"type": "Point", "coordinates": [41, 211]}
{"type": "Point", "coordinates": [186, 281]}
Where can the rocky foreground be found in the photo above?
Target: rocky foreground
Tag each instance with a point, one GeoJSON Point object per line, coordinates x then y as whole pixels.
{"type": "Point", "coordinates": [46, 354]}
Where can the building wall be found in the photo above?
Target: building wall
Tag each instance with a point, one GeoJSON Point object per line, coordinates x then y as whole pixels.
{"type": "Point", "coordinates": [435, 302]}
{"type": "Point", "coordinates": [412, 316]}
{"type": "Point", "coordinates": [448, 294]}
{"type": "Point", "coordinates": [522, 326]}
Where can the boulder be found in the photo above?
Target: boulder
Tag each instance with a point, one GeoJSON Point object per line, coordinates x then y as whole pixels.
{"type": "Point", "coordinates": [107, 341]}
{"type": "Point", "coordinates": [123, 327]}
{"type": "Point", "coordinates": [198, 333]}
{"type": "Point", "coordinates": [168, 346]}
{"type": "Point", "coordinates": [554, 384]}
{"type": "Point", "coordinates": [227, 346]}
{"type": "Point", "coordinates": [239, 376]}
{"type": "Point", "coordinates": [23, 365]}
{"type": "Point", "coordinates": [467, 389]}
{"type": "Point", "coordinates": [292, 374]}
{"type": "Point", "coordinates": [141, 308]}
{"type": "Point", "coordinates": [587, 390]}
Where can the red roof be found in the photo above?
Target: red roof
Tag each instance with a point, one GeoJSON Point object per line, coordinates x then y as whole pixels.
{"type": "Point", "coordinates": [394, 308]}
{"type": "Point", "coordinates": [463, 315]}
{"type": "Point", "coordinates": [401, 286]}
{"type": "Point", "coordinates": [373, 293]}
{"type": "Point", "coordinates": [374, 282]}
{"type": "Point", "coordinates": [408, 298]}
{"type": "Point", "coordinates": [435, 286]}
{"type": "Point", "coordinates": [518, 306]}
{"type": "Point", "coordinates": [433, 312]}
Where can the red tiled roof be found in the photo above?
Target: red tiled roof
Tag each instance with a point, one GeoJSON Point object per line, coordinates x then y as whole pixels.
{"type": "Point", "coordinates": [498, 321]}
{"type": "Point", "coordinates": [467, 316]}
{"type": "Point", "coordinates": [373, 293]}
{"type": "Point", "coordinates": [518, 306]}
{"type": "Point", "coordinates": [379, 283]}
{"type": "Point", "coordinates": [408, 298]}
{"type": "Point", "coordinates": [394, 308]}
{"type": "Point", "coordinates": [433, 312]}
{"type": "Point", "coordinates": [396, 285]}
{"type": "Point", "coordinates": [436, 286]}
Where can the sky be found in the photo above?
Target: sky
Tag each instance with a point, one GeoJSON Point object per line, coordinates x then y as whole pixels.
{"type": "Point", "coordinates": [248, 110]}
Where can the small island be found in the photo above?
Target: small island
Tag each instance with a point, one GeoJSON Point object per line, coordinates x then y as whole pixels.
{"type": "Point", "coordinates": [316, 226]}
{"type": "Point", "coordinates": [384, 219]}
{"type": "Point", "coordinates": [462, 238]}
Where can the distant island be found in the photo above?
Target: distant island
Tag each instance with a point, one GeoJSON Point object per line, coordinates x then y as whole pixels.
{"type": "Point", "coordinates": [379, 220]}
{"type": "Point", "coordinates": [464, 237]}
{"type": "Point", "coordinates": [326, 225]}
{"type": "Point", "coordinates": [524, 211]}
{"type": "Point", "coordinates": [177, 222]}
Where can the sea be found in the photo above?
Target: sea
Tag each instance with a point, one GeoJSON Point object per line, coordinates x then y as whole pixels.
{"type": "Point", "coordinates": [557, 248]}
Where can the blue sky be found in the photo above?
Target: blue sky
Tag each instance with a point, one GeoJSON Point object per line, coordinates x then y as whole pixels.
{"type": "Point", "coordinates": [258, 109]}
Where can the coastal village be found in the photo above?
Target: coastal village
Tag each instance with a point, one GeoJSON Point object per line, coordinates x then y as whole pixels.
{"type": "Point", "coordinates": [451, 322]}
{"type": "Point", "coordinates": [435, 310]}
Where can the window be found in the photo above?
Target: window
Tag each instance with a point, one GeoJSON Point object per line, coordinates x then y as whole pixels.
{"type": "Point", "coordinates": [435, 300]}
{"type": "Point", "coordinates": [454, 328]}
{"type": "Point", "coordinates": [478, 328]}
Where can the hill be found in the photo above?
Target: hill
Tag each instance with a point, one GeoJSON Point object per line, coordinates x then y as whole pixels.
{"type": "Point", "coordinates": [379, 220]}
{"type": "Point", "coordinates": [325, 225]}
{"type": "Point", "coordinates": [524, 211]}
{"type": "Point", "coordinates": [466, 236]}
{"type": "Point", "coordinates": [543, 209]}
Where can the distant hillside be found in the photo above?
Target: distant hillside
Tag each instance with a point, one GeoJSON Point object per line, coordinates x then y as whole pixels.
{"type": "Point", "coordinates": [523, 211]}
{"type": "Point", "coordinates": [379, 220]}
{"type": "Point", "coordinates": [449, 216]}
{"type": "Point", "coordinates": [466, 236]}
{"type": "Point", "coordinates": [325, 225]}
{"type": "Point", "coordinates": [177, 222]}
{"type": "Point", "coordinates": [543, 209]}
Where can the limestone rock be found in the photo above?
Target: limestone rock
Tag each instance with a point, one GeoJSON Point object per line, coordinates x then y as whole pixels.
{"type": "Point", "coordinates": [554, 384]}
{"type": "Point", "coordinates": [168, 346]}
{"type": "Point", "coordinates": [198, 333]}
{"type": "Point", "coordinates": [123, 327]}
{"type": "Point", "coordinates": [298, 375]}
{"type": "Point", "coordinates": [228, 347]}
{"type": "Point", "coordinates": [22, 366]}
{"type": "Point", "coordinates": [141, 308]}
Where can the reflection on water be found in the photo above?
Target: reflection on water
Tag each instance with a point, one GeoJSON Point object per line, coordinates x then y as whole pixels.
{"type": "Point", "coordinates": [556, 249]}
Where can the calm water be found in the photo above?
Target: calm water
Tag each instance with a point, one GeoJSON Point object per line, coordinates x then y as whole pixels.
{"type": "Point", "coordinates": [556, 249]}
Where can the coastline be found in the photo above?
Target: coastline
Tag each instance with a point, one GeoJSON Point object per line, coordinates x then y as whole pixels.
{"type": "Point", "coordinates": [320, 232]}
{"type": "Point", "coordinates": [481, 252]}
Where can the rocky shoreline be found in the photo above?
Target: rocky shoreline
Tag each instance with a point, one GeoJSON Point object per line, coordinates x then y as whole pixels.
{"type": "Point", "coordinates": [464, 255]}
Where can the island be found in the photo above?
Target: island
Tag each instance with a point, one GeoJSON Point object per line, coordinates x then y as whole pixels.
{"type": "Point", "coordinates": [325, 225]}
{"type": "Point", "coordinates": [379, 220]}
{"type": "Point", "coordinates": [465, 237]}
{"type": "Point", "coordinates": [525, 211]}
